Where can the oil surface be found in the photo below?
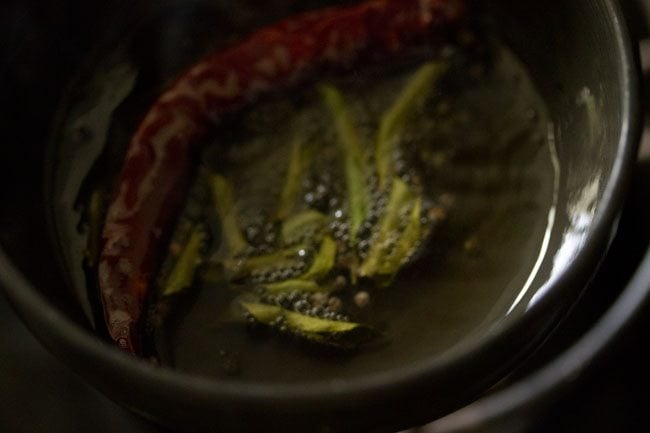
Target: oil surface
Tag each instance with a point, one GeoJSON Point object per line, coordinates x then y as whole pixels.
{"type": "Point", "coordinates": [483, 146]}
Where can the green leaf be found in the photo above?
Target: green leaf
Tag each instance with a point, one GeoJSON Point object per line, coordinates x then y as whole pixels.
{"type": "Point", "coordinates": [322, 331]}
{"type": "Point", "coordinates": [237, 268]}
{"type": "Point", "coordinates": [394, 120]}
{"type": "Point", "coordinates": [408, 241]}
{"type": "Point", "coordinates": [293, 180]}
{"type": "Point", "coordinates": [314, 325]}
{"type": "Point", "coordinates": [295, 285]}
{"type": "Point", "coordinates": [400, 198]}
{"type": "Point", "coordinates": [356, 171]}
{"type": "Point", "coordinates": [182, 274]}
{"type": "Point", "coordinates": [263, 313]}
{"type": "Point", "coordinates": [223, 200]}
{"type": "Point", "coordinates": [323, 262]}
{"type": "Point", "coordinates": [295, 226]}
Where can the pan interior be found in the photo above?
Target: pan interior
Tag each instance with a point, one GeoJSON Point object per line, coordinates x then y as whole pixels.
{"type": "Point", "coordinates": [575, 88]}
{"type": "Point", "coordinates": [496, 160]}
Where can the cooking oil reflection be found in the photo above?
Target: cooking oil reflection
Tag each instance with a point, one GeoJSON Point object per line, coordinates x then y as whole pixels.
{"type": "Point", "coordinates": [581, 213]}
{"type": "Point", "coordinates": [541, 257]}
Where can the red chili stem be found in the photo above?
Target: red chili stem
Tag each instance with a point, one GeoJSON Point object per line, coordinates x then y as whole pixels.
{"type": "Point", "coordinates": [156, 168]}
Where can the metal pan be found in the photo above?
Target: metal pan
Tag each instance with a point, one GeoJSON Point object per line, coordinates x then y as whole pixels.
{"type": "Point", "coordinates": [573, 50]}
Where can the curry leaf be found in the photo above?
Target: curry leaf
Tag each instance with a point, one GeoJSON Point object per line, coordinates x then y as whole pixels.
{"type": "Point", "coordinates": [323, 262]}
{"type": "Point", "coordinates": [223, 199]}
{"type": "Point", "coordinates": [295, 226]}
{"type": "Point", "coordinates": [292, 183]}
{"type": "Point", "coordinates": [295, 285]}
{"type": "Point", "coordinates": [323, 331]}
{"type": "Point", "coordinates": [400, 197]}
{"type": "Point", "coordinates": [408, 241]}
{"type": "Point", "coordinates": [189, 259]}
{"type": "Point", "coordinates": [263, 313]}
{"type": "Point", "coordinates": [394, 120]}
{"type": "Point", "coordinates": [311, 325]}
{"type": "Point", "coordinates": [356, 171]}
{"type": "Point", "coordinates": [237, 268]}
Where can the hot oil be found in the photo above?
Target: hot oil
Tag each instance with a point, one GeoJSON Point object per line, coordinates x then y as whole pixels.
{"type": "Point", "coordinates": [481, 147]}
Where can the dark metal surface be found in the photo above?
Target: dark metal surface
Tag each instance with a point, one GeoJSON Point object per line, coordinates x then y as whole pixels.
{"type": "Point", "coordinates": [38, 394]}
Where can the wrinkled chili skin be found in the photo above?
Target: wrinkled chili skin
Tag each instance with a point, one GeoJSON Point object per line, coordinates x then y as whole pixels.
{"type": "Point", "coordinates": [157, 166]}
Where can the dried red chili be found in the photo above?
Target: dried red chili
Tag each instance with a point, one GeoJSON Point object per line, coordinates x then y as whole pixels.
{"type": "Point", "coordinates": [154, 176]}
